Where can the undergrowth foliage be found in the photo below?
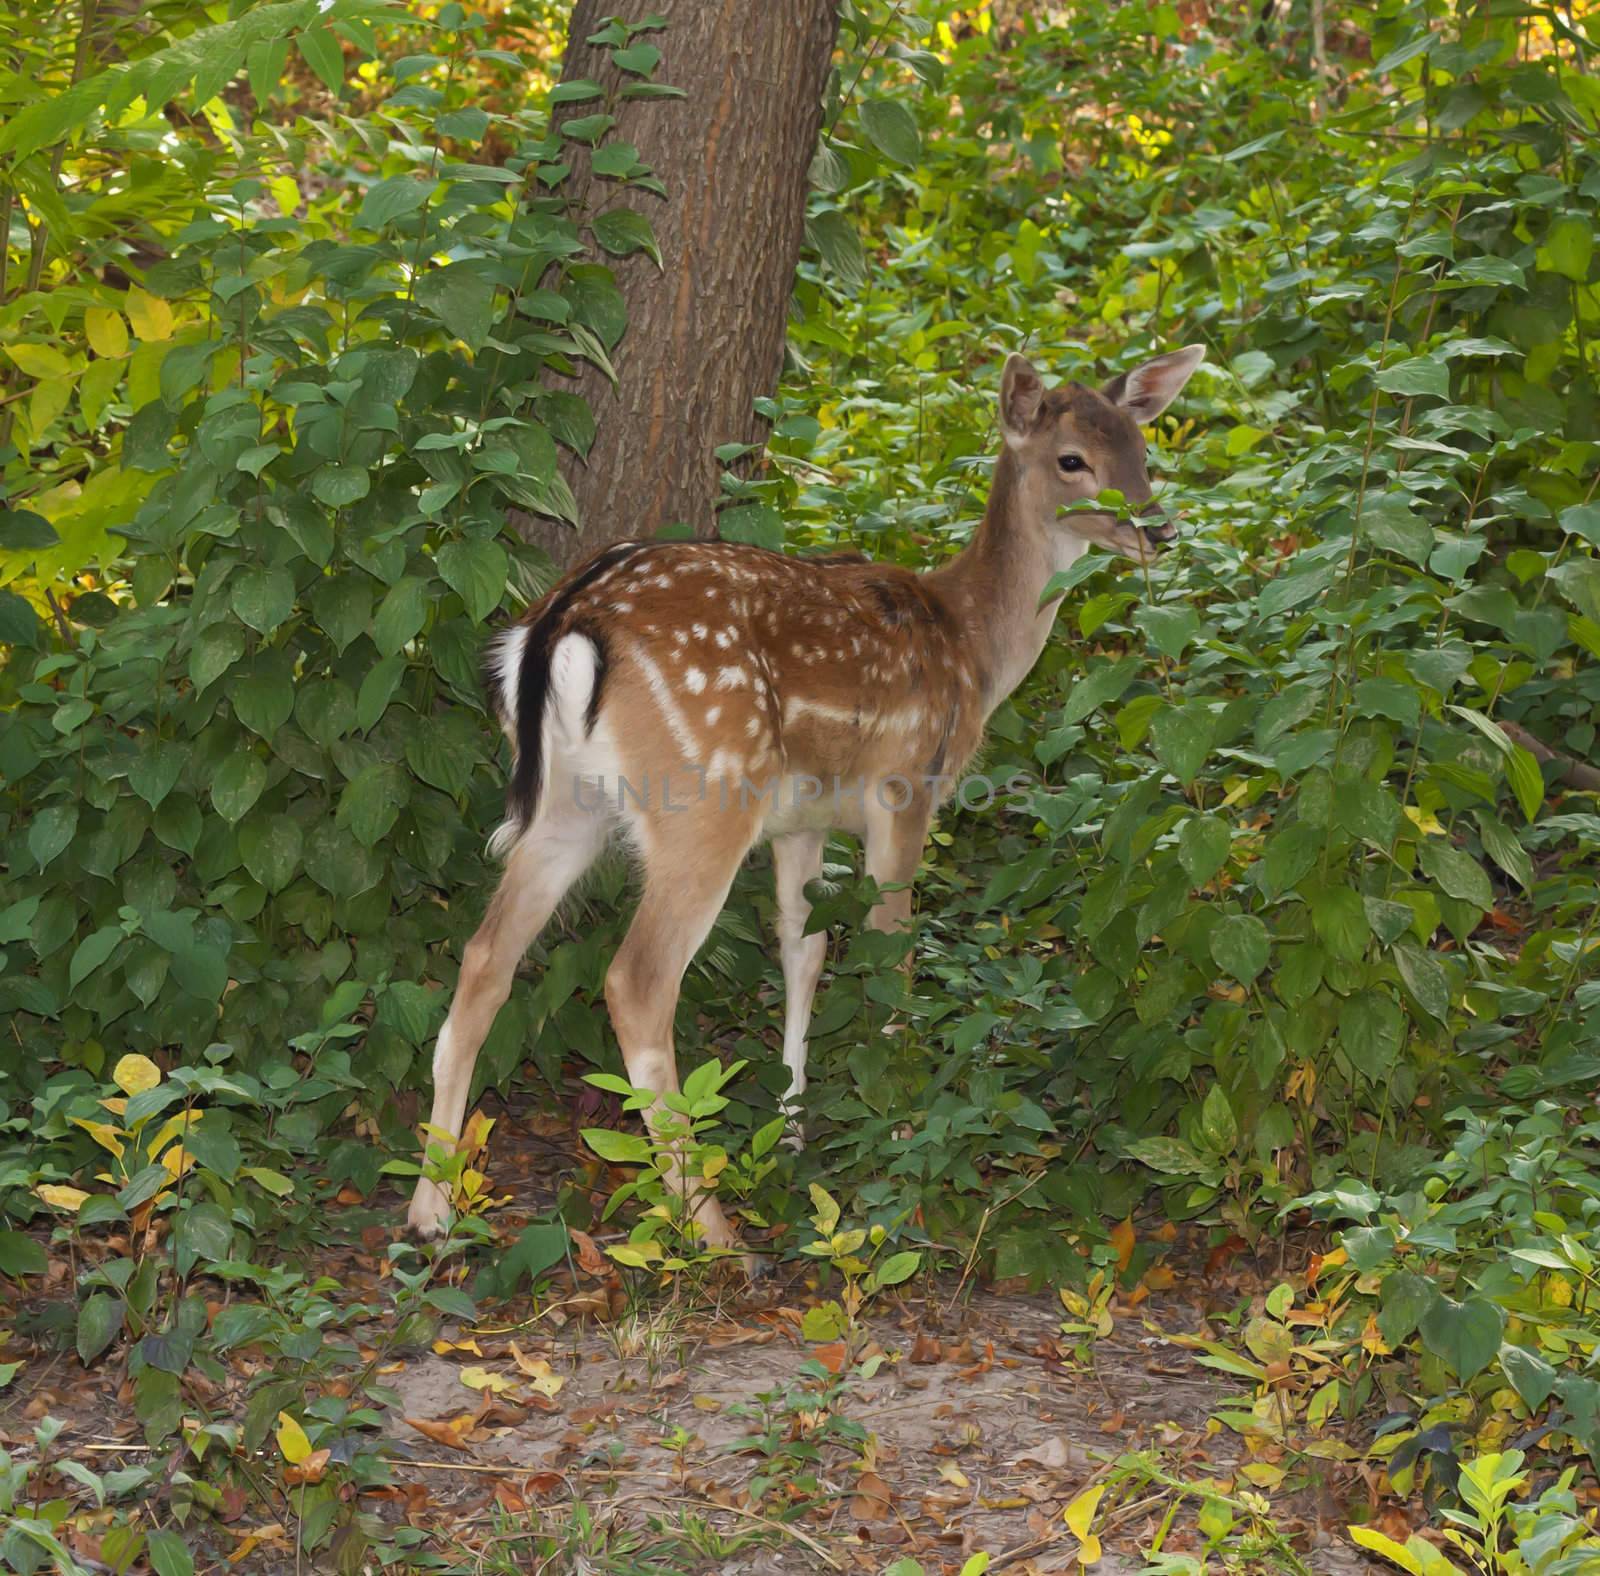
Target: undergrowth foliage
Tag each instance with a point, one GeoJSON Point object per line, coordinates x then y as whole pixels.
{"type": "Point", "coordinates": [1275, 914]}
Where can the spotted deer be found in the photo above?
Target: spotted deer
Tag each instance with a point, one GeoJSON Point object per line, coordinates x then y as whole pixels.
{"type": "Point", "coordinates": [694, 698]}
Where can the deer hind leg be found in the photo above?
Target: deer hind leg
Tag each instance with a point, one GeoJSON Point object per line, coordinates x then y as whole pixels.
{"type": "Point", "coordinates": [542, 865]}
{"type": "Point", "coordinates": [797, 859]}
{"type": "Point", "coordinates": [686, 883]}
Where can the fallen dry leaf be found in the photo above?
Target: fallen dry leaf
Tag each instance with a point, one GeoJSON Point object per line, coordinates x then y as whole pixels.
{"type": "Point", "coordinates": [927, 1349]}
{"type": "Point", "coordinates": [872, 1499]}
{"type": "Point", "coordinates": [450, 1432]}
{"type": "Point", "coordinates": [1057, 1454]}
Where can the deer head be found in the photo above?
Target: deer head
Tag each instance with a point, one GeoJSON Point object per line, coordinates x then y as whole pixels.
{"type": "Point", "coordinates": [1072, 443]}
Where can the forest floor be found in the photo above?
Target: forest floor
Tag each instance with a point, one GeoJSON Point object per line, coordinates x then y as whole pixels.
{"type": "Point", "coordinates": [700, 1431]}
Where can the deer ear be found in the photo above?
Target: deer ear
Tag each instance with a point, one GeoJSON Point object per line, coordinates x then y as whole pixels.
{"type": "Point", "coordinates": [1021, 393]}
{"type": "Point", "coordinates": [1147, 391]}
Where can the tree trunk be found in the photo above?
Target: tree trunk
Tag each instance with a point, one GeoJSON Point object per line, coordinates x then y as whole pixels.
{"type": "Point", "coordinates": [706, 331]}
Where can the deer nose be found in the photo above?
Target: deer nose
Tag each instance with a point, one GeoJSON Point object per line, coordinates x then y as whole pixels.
{"type": "Point", "coordinates": [1156, 527]}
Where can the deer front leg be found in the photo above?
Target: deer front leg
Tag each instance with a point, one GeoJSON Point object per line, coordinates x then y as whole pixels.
{"type": "Point", "coordinates": [896, 835]}
{"type": "Point", "coordinates": [797, 859]}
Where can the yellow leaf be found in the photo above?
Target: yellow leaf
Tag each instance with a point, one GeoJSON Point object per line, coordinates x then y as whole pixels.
{"type": "Point", "coordinates": [953, 1474]}
{"type": "Point", "coordinates": [108, 334]}
{"type": "Point", "coordinates": [50, 397]}
{"type": "Point", "coordinates": [177, 1160]}
{"type": "Point", "coordinates": [150, 315]}
{"type": "Point", "coordinates": [481, 1379]}
{"type": "Point", "coordinates": [103, 1133]}
{"type": "Point", "coordinates": [292, 1440]}
{"type": "Point", "coordinates": [545, 1380]}
{"type": "Point", "coordinates": [1388, 1548]}
{"type": "Point", "coordinates": [61, 1196]}
{"type": "Point", "coordinates": [444, 1348]}
{"type": "Point", "coordinates": [134, 1074]}
{"type": "Point", "coordinates": [170, 1129]}
{"type": "Point", "coordinates": [286, 194]}
{"type": "Point", "coordinates": [275, 1182]}
{"type": "Point", "coordinates": [40, 361]}
{"type": "Point", "coordinates": [1078, 1516]}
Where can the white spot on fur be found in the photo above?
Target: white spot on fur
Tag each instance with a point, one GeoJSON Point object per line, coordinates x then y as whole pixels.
{"type": "Point", "coordinates": [712, 715]}
{"type": "Point", "coordinates": [694, 681]}
{"type": "Point", "coordinates": [732, 678]}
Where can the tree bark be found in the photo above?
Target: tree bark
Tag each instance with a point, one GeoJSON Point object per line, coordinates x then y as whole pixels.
{"type": "Point", "coordinates": [706, 331]}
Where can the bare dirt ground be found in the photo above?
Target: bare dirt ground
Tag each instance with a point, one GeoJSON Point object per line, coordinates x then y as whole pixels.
{"type": "Point", "coordinates": [979, 1434]}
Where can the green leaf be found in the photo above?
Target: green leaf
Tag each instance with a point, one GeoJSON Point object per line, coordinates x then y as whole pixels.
{"type": "Point", "coordinates": [1289, 856]}
{"type": "Point", "coordinates": [461, 296]}
{"type": "Point", "coordinates": [896, 1268]}
{"type": "Point", "coordinates": [1421, 375]}
{"type": "Point", "coordinates": [621, 231]}
{"type": "Point", "coordinates": [1529, 1374]}
{"type": "Point", "coordinates": [168, 1555]}
{"type": "Point", "coordinates": [1371, 1032]}
{"type": "Point", "coordinates": [91, 952]}
{"type": "Point", "coordinates": [627, 1149]}
{"type": "Point", "coordinates": [637, 60]}
{"type": "Point", "coordinates": [892, 129]}
{"type": "Point", "coordinates": [21, 1255]}
{"type": "Point", "coordinates": [156, 771]}
{"type": "Point", "coordinates": [338, 485]}
{"type": "Point", "coordinates": [1465, 1336]}
{"type": "Point", "coordinates": [263, 598]}
{"type": "Point", "coordinates": [1218, 1125]}
{"type": "Point", "coordinates": [239, 782]}
{"type": "Point", "coordinates": [756, 523]}
{"type": "Point", "coordinates": [270, 847]}
{"type": "Point", "coordinates": [401, 615]}
{"type": "Point", "coordinates": [394, 198]}
{"type": "Point", "coordinates": [1456, 873]}
{"type": "Point", "coordinates": [22, 530]}
{"type": "Point", "coordinates": [1240, 946]}
{"type": "Point", "coordinates": [99, 1324]}
{"type": "Point", "coordinates": [1405, 1297]}
{"type": "Point", "coordinates": [377, 690]}
{"type": "Point", "coordinates": [1169, 629]}
{"type": "Point", "coordinates": [339, 864]}
{"type": "Point", "coordinates": [1340, 920]}
{"type": "Point", "coordinates": [1170, 1155]}
{"type": "Point", "coordinates": [320, 49]}
{"type": "Point", "coordinates": [371, 801]}
{"type": "Point", "coordinates": [1527, 781]}
{"type": "Point", "coordinates": [477, 572]}
{"type": "Point", "coordinates": [1425, 978]}
{"type": "Point", "coordinates": [51, 831]}
{"type": "Point", "coordinates": [1203, 846]}
{"type": "Point", "coordinates": [1569, 247]}
{"type": "Point", "coordinates": [1182, 739]}
{"type": "Point", "coordinates": [1389, 525]}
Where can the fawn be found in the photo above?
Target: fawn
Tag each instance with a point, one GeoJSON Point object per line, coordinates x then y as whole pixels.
{"type": "Point", "coordinates": [693, 698]}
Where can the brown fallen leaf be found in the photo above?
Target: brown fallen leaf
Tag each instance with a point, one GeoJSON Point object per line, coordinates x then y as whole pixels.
{"type": "Point", "coordinates": [450, 1432]}
{"type": "Point", "coordinates": [872, 1499]}
{"type": "Point", "coordinates": [311, 1470]}
{"type": "Point", "coordinates": [1057, 1454]}
{"type": "Point", "coordinates": [590, 1260]}
{"type": "Point", "coordinates": [832, 1356]}
{"type": "Point", "coordinates": [927, 1349]}
{"type": "Point", "coordinates": [1122, 1239]}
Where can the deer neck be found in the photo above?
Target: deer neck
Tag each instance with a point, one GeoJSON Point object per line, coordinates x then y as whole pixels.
{"type": "Point", "coordinates": [994, 585]}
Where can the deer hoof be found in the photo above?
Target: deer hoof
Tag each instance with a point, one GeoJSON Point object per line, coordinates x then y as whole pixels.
{"type": "Point", "coordinates": [430, 1208]}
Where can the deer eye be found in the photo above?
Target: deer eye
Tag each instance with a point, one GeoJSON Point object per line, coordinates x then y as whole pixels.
{"type": "Point", "coordinates": [1071, 463]}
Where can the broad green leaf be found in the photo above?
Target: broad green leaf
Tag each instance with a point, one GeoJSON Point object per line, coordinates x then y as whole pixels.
{"type": "Point", "coordinates": [1340, 920]}
{"type": "Point", "coordinates": [1371, 1032]}
{"type": "Point", "coordinates": [400, 615]}
{"type": "Point", "coordinates": [1203, 846]}
{"type": "Point", "coordinates": [477, 572]}
{"type": "Point", "coordinates": [239, 782]}
{"type": "Point", "coordinates": [891, 129]}
{"type": "Point", "coordinates": [1240, 946]}
{"type": "Point", "coordinates": [1465, 1336]}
